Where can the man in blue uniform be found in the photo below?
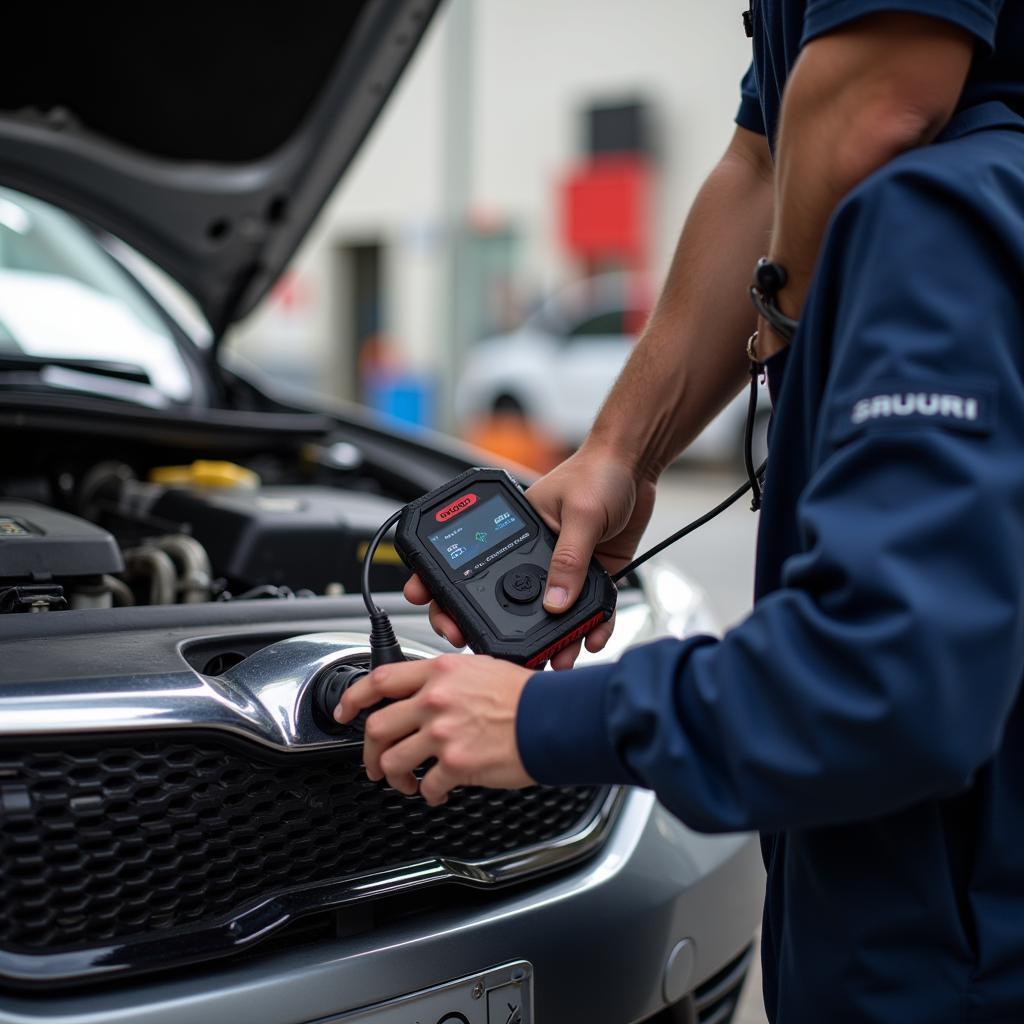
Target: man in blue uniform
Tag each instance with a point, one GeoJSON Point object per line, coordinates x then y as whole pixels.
{"type": "Point", "coordinates": [867, 717]}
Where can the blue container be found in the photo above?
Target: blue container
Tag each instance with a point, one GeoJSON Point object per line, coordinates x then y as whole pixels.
{"type": "Point", "coordinates": [405, 397]}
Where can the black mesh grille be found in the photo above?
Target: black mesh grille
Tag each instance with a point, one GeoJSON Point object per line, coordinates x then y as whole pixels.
{"type": "Point", "coordinates": [102, 843]}
{"type": "Point", "coordinates": [717, 999]}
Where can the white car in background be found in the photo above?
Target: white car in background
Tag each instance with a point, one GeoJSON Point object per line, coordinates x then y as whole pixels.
{"type": "Point", "coordinates": [556, 368]}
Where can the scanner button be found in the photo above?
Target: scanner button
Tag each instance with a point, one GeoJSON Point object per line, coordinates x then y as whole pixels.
{"type": "Point", "coordinates": [521, 585]}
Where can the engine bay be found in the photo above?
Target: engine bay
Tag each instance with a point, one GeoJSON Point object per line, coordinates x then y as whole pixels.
{"type": "Point", "coordinates": [210, 530]}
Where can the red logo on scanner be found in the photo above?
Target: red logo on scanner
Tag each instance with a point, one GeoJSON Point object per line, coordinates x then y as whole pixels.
{"type": "Point", "coordinates": [457, 506]}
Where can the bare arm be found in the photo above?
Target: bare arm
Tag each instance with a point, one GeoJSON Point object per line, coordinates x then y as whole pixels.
{"type": "Point", "coordinates": [691, 359]}
{"type": "Point", "coordinates": [855, 100]}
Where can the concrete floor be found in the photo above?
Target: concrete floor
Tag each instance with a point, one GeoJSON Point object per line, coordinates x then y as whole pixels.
{"type": "Point", "coordinates": [720, 558]}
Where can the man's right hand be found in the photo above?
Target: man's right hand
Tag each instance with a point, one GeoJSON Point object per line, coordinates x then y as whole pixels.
{"type": "Point", "coordinates": [597, 505]}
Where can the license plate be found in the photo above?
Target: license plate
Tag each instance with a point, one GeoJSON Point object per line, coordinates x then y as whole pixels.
{"type": "Point", "coordinates": [502, 995]}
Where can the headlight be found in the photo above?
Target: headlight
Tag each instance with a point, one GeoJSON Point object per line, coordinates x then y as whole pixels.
{"type": "Point", "coordinates": [680, 606]}
{"type": "Point", "coordinates": [673, 605]}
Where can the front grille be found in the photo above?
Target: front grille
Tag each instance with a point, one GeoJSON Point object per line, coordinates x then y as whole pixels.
{"type": "Point", "coordinates": [103, 843]}
{"type": "Point", "coordinates": [716, 1001]}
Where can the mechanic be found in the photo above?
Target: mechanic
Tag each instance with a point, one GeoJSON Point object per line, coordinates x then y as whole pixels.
{"type": "Point", "coordinates": [867, 716]}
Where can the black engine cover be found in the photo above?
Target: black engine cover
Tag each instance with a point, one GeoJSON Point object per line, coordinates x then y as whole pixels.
{"type": "Point", "coordinates": [38, 542]}
{"type": "Point", "coordinates": [298, 537]}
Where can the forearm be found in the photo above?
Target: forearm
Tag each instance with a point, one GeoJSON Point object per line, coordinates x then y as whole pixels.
{"type": "Point", "coordinates": [856, 99]}
{"type": "Point", "coordinates": [691, 358]}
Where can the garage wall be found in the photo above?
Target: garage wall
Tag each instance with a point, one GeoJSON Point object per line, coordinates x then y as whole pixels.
{"type": "Point", "coordinates": [481, 130]}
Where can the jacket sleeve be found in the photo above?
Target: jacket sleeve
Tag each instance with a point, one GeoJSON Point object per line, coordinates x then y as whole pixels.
{"type": "Point", "coordinates": [749, 115]}
{"type": "Point", "coordinates": [978, 17]}
{"type": "Point", "coordinates": [882, 671]}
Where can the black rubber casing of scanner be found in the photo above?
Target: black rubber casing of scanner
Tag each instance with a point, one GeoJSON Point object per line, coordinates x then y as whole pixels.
{"type": "Point", "coordinates": [530, 636]}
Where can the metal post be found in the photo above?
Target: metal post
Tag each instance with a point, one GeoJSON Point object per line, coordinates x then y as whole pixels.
{"type": "Point", "coordinates": [455, 326]}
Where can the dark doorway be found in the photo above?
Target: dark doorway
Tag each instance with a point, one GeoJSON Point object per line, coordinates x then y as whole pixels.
{"type": "Point", "coordinates": [361, 333]}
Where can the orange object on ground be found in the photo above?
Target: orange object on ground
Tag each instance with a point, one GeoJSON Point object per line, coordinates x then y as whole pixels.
{"type": "Point", "coordinates": [512, 437]}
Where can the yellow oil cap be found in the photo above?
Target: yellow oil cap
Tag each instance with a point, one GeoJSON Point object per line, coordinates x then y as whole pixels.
{"type": "Point", "coordinates": [206, 473]}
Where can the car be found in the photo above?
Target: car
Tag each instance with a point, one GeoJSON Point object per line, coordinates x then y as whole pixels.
{"type": "Point", "coordinates": [556, 368]}
{"type": "Point", "coordinates": [183, 837]}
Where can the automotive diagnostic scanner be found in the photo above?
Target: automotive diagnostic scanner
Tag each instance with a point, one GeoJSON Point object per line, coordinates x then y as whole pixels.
{"type": "Point", "coordinates": [483, 553]}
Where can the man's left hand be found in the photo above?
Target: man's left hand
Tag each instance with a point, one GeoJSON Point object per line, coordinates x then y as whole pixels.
{"type": "Point", "coordinates": [458, 708]}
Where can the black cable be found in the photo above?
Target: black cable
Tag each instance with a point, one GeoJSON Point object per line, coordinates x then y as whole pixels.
{"type": "Point", "coordinates": [748, 439]}
{"type": "Point", "coordinates": [689, 528]}
{"type": "Point", "coordinates": [384, 646]}
{"type": "Point", "coordinates": [371, 550]}
{"type": "Point", "coordinates": [755, 478]}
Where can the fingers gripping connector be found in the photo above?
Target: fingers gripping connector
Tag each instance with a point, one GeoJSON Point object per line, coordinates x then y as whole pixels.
{"type": "Point", "coordinates": [326, 691]}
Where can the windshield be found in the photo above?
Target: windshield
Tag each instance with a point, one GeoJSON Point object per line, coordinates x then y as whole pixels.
{"type": "Point", "coordinates": [64, 300]}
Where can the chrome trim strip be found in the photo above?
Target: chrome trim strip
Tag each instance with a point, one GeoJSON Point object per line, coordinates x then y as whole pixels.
{"type": "Point", "coordinates": [262, 698]}
{"type": "Point", "coordinates": [258, 920]}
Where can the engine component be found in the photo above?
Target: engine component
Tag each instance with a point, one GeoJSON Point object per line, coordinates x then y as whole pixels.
{"type": "Point", "coordinates": [120, 593]}
{"type": "Point", "coordinates": [304, 538]}
{"type": "Point", "coordinates": [206, 473]}
{"type": "Point", "coordinates": [193, 565]}
{"type": "Point", "coordinates": [176, 569]}
{"type": "Point", "coordinates": [155, 567]}
{"type": "Point", "coordinates": [94, 593]}
{"type": "Point", "coordinates": [100, 487]}
{"type": "Point", "coordinates": [32, 597]}
{"type": "Point", "coordinates": [47, 556]}
{"type": "Point", "coordinates": [39, 543]}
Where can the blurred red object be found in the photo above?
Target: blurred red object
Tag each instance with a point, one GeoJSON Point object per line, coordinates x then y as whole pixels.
{"type": "Point", "coordinates": [605, 208]}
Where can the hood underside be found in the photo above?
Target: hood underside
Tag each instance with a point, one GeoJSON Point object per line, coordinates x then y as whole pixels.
{"type": "Point", "coordinates": [209, 141]}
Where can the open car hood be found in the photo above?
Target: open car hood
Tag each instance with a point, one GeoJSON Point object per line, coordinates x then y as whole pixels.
{"type": "Point", "coordinates": [206, 137]}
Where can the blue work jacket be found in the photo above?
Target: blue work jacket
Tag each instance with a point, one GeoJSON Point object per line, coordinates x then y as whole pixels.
{"type": "Point", "coordinates": [867, 717]}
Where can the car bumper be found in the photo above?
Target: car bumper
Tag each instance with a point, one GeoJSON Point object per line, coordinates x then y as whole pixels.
{"type": "Point", "coordinates": [598, 938]}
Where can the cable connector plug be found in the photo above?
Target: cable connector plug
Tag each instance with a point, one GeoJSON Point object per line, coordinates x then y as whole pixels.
{"type": "Point", "coordinates": [384, 647]}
